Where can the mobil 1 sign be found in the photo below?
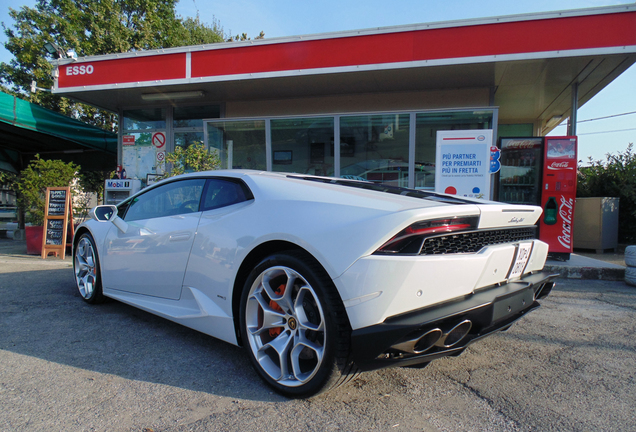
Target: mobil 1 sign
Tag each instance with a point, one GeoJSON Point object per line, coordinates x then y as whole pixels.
{"type": "Point", "coordinates": [462, 163]}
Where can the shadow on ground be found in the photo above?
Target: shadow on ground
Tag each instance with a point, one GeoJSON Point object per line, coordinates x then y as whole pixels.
{"type": "Point", "coordinates": [42, 315]}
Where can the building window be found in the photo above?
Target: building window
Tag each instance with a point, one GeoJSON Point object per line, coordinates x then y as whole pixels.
{"type": "Point", "coordinates": [192, 116]}
{"type": "Point", "coordinates": [303, 145]}
{"type": "Point", "coordinates": [188, 123]}
{"type": "Point", "coordinates": [375, 148]}
{"type": "Point", "coordinates": [372, 147]}
{"type": "Point", "coordinates": [139, 156]}
{"type": "Point", "coordinates": [144, 119]}
{"type": "Point", "coordinates": [240, 144]}
{"type": "Point", "coordinates": [141, 124]}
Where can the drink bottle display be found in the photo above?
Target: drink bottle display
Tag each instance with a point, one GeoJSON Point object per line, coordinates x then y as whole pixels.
{"type": "Point", "coordinates": [519, 177]}
{"type": "Point", "coordinates": [550, 212]}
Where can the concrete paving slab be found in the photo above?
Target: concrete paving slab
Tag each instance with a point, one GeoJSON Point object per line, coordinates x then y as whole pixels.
{"type": "Point", "coordinates": [583, 267]}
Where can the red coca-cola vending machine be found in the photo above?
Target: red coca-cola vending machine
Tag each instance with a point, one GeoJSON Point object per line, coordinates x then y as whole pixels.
{"type": "Point", "coordinates": [558, 194]}
{"type": "Point", "coordinates": [542, 171]}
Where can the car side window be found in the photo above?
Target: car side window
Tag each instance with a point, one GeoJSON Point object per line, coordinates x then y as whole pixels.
{"type": "Point", "coordinates": [122, 207]}
{"type": "Point", "coordinates": [221, 193]}
{"type": "Point", "coordinates": [175, 198]}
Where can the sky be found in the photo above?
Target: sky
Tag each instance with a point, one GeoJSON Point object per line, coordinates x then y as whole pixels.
{"type": "Point", "coordinates": [281, 18]}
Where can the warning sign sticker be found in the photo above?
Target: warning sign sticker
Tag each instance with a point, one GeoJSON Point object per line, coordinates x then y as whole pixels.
{"type": "Point", "coordinates": [158, 139]}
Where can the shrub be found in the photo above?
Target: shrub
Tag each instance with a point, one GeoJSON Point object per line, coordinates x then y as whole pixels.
{"type": "Point", "coordinates": [193, 158]}
{"type": "Point", "coordinates": [32, 182]}
{"type": "Point", "coordinates": [614, 177]}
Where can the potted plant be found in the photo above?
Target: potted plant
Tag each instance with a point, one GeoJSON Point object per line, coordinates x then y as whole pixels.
{"type": "Point", "coordinates": [30, 186]}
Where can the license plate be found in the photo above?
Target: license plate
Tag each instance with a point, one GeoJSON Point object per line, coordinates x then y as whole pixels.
{"type": "Point", "coordinates": [521, 260]}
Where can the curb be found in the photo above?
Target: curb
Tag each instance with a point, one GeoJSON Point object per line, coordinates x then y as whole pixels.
{"type": "Point", "coordinates": [601, 273]}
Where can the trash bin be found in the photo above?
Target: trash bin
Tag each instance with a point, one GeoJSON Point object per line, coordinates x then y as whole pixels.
{"type": "Point", "coordinates": [595, 224]}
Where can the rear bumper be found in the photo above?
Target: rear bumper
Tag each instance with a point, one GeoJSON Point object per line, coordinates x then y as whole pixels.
{"type": "Point", "coordinates": [448, 328]}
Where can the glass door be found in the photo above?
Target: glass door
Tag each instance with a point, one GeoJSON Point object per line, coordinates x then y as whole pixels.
{"type": "Point", "coordinates": [520, 175]}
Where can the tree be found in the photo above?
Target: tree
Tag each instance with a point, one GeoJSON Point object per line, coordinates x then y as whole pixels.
{"type": "Point", "coordinates": [197, 33]}
{"type": "Point", "coordinates": [91, 27]}
{"type": "Point", "coordinates": [615, 177]}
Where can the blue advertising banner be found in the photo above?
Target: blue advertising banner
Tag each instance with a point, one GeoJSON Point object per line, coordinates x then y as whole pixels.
{"type": "Point", "coordinates": [463, 163]}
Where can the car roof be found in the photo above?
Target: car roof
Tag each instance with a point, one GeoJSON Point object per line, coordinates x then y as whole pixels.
{"type": "Point", "coordinates": [302, 187]}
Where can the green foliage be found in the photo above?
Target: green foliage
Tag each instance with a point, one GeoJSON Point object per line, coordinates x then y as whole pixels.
{"type": "Point", "coordinates": [193, 158]}
{"type": "Point", "coordinates": [93, 181]}
{"type": "Point", "coordinates": [243, 37]}
{"type": "Point", "coordinates": [32, 182]}
{"type": "Point", "coordinates": [9, 179]}
{"type": "Point", "coordinates": [195, 32]}
{"type": "Point", "coordinates": [615, 177]}
{"type": "Point", "coordinates": [91, 27]}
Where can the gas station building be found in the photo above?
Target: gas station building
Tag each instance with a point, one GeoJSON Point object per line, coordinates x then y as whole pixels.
{"type": "Point", "coordinates": [364, 103]}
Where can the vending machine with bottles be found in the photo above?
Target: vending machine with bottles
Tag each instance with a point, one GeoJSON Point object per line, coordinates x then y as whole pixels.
{"type": "Point", "coordinates": [542, 171]}
{"type": "Point", "coordinates": [520, 173]}
{"type": "Point", "coordinates": [558, 194]}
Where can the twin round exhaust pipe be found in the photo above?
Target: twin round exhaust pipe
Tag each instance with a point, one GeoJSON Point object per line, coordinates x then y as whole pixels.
{"type": "Point", "coordinates": [436, 338]}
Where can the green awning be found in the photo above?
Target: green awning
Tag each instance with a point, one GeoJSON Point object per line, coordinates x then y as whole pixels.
{"type": "Point", "coordinates": [27, 129]}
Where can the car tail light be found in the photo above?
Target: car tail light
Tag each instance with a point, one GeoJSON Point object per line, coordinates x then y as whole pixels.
{"type": "Point", "coordinates": [410, 239]}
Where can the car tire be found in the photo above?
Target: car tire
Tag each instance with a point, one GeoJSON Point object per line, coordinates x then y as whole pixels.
{"type": "Point", "coordinates": [294, 326]}
{"type": "Point", "coordinates": [630, 256]}
{"type": "Point", "coordinates": [86, 269]}
{"type": "Point", "coordinates": [630, 276]}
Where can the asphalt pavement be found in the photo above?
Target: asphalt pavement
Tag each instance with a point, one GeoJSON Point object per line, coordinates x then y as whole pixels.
{"type": "Point", "coordinates": [69, 366]}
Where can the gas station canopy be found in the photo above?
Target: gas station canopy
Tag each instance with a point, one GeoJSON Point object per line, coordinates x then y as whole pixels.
{"type": "Point", "coordinates": [528, 64]}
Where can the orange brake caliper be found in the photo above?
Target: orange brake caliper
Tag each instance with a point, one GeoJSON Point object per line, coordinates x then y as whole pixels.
{"type": "Point", "coordinates": [274, 332]}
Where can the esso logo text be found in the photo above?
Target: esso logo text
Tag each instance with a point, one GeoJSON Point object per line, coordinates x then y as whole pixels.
{"type": "Point", "coordinates": [79, 70]}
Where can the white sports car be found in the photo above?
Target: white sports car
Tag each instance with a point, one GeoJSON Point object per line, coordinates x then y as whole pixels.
{"type": "Point", "coordinates": [319, 278]}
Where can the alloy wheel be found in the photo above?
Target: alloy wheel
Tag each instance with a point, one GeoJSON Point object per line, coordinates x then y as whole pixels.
{"type": "Point", "coordinates": [85, 267]}
{"type": "Point", "coordinates": [285, 326]}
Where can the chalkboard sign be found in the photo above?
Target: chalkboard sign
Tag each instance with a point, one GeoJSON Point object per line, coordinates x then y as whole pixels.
{"type": "Point", "coordinates": [57, 202]}
{"type": "Point", "coordinates": [58, 217]}
{"type": "Point", "coordinates": [54, 232]}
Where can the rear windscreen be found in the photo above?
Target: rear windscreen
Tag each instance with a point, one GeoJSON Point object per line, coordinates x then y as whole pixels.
{"type": "Point", "coordinates": [377, 187]}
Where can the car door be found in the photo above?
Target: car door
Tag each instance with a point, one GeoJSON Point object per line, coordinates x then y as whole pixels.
{"type": "Point", "coordinates": [150, 258]}
{"type": "Point", "coordinates": [220, 235]}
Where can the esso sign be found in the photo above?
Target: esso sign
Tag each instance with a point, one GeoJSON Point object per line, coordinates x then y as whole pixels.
{"type": "Point", "coordinates": [79, 70]}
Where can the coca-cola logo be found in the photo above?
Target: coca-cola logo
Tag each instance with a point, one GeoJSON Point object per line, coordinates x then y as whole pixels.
{"type": "Point", "coordinates": [566, 209]}
{"type": "Point", "coordinates": [560, 165]}
{"type": "Point", "coordinates": [523, 144]}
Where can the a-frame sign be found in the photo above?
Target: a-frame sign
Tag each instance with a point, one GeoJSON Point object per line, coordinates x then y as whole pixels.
{"type": "Point", "coordinates": [58, 220]}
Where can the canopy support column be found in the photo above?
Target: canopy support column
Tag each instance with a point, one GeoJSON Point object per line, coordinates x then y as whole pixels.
{"type": "Point", "coordinates": [574, 108]}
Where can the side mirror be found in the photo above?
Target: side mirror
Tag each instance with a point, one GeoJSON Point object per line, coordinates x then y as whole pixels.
{"type": "Point", "coordinates": [108, 213]}
{"type": "Point", "coordinates": [103, 213]}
